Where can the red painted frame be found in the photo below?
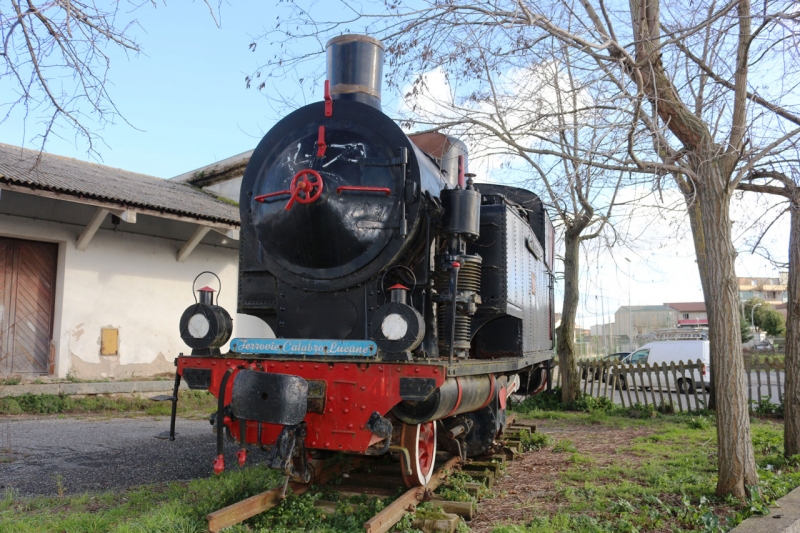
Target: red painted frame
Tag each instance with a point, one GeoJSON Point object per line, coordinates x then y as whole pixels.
{"type": "Point", "coordinates": [354, 391]}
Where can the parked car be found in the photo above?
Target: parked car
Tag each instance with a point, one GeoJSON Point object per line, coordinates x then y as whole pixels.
{"type": "Point", "coordinates": [764, 346]}
{"type": "Point", "coordinates": [608, 359]}
{"type": "Point", "coordinates": [667, 352]}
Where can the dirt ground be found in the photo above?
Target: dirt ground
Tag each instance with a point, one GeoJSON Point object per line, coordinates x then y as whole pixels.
{"type": "Point", "coordinates": [529, 486]}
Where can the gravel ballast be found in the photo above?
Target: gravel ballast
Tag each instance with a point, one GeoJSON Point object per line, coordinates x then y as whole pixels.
{"type": "Point", "coordinates": [40, 456]}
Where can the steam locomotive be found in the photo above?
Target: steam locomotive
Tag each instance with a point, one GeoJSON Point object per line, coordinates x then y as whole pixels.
{"type": "Point", "coordinates": [408, 302]}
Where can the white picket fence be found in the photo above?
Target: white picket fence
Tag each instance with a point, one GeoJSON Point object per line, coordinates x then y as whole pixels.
{"type": "Point", "coordinates": [676, 386]}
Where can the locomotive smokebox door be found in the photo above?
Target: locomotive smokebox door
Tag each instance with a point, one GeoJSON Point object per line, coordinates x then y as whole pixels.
{"type": "Point", "coordinates": [271, 398]}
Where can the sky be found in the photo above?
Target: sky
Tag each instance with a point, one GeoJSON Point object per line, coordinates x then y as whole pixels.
{"type": "Point", "coordinates": [185, 98]}
{"type": "Point", "coordinates": [184, 94]}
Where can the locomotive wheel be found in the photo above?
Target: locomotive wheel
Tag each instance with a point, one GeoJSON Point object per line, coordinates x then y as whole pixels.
{"type": "Point", "coordinates": [420, 441]}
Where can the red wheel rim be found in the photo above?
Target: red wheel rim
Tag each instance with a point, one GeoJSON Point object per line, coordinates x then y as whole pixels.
{"type": "Point", "coordinates": [427, 447]}
{"type": "Point", "coordinates": [420, 441]}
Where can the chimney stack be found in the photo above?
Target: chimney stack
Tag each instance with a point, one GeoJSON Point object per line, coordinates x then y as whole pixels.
{"type": "Point", "coordinates": [355, 68]}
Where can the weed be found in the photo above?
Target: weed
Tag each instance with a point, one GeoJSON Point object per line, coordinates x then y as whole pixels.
{"type": "Point", "coordinates": [766, 442]}
{"type": "Point", "coordinates": [622, 506]}
{"type": "Point", "coordinates": [581, 459]}
{"type": "Point", "coordinates": [13, 380]}
{"type": "Point", "coordinates": [7, 501]}
{"type": "Point", "coordinates": [60, 485]}
{"type": "Point", "coordinates": [534, 441]}
{"type": "Point", "coordinates": [766, 408]}
{"type": "Point", "coordinates": [699, 422]}
{"type": "Point", "coordinates": [456, 488]}
{"type": "Point", "coordinates": [639, 410]}
{"type": "Point", "coordinates": [564, 446]}
{"type": "Point", "coordinates": [541, 402]}
{"type": "Point", "coordinates": [666, 407]}
{"type": "Point", "coordinates": [552, 402]}
{"type": "Point", "coordinates": [299, 514]}
{"type": "Point", "coordinates": [598, 417]}
{"type": "Point", "coordinates": [587, 404]}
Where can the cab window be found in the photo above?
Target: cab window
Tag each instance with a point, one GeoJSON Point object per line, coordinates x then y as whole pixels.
{"type": "Point", "coordinates": [639, 357]}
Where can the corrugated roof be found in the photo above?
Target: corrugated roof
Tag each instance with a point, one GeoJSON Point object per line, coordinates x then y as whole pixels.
{"type": "Point", "coordinates": [224, 170]}
{"type": "Point", "coordinates": [688, 307]}
{"type": "Point", "coordinates": [19, 166]}
{"type": "Point", "coordinates": [635, 308]}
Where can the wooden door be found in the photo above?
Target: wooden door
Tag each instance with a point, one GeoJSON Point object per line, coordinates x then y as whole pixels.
{"type": "Point", "coordinates": [27, 297]}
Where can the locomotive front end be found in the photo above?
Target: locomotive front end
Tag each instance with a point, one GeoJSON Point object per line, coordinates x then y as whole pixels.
{"type": "Point", "coordinates": [363, 250]}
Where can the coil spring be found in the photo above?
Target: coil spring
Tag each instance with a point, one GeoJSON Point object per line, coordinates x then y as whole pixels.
{"type": "Point", "coordinates": [469, 281]}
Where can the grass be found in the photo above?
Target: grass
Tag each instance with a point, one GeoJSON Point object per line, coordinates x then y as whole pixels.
{"type": "Point", "coordinates": [182, 507]}
{"type": "Point", "coordinates": [46, 404]}
{"type": "Point", "coordinates": [664, 481]}
{"type": "Point", "coordinates": [168, 508]}
{"type": "Point", "coordinates": [72, 378]}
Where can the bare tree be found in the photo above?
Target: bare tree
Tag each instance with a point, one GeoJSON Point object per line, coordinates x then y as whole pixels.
{"type": "Point", "coordinates": [779, 183]}
{"type": "Point", "coordinates": [682, 76]}
{"type": "Point", "coordinates": [538, 117]}
{"type": "Point", "coordinates": [56, 63]}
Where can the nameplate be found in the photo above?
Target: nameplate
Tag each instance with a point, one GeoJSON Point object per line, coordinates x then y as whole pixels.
{"type": "Point", "coordinates": [295, 347]}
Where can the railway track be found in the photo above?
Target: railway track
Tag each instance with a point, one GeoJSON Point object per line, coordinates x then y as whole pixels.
{"type": "Point", "coordinates": [377, 477]}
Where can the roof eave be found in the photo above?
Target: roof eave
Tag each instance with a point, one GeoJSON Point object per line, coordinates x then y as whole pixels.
{"type": "Point", "coordinates": [93, 200]}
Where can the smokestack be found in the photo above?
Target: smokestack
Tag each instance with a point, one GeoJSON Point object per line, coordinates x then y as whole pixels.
{"type": "Point", "coordinates": [355, 68]}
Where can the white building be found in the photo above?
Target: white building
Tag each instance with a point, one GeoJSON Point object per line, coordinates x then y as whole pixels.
{"type": "Point", "coordinates": [97, 264]}
{"type": "Point", "coordinates": [223, 178]}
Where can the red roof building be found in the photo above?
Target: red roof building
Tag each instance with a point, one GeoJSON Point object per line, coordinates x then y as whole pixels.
{"type": "Point", "coordinates": [690, 314]}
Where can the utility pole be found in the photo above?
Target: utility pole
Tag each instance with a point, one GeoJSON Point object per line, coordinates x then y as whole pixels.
{"type": "Point", "coordinates": [603, 310]}
{"type": "Point", "coordinates": [596, 309]}
{"type": "Point", "coordinates": [611, 341]}
{"type": "Point", "coordinates": [630, 315]}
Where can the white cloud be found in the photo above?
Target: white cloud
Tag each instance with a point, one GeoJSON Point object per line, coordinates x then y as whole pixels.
{"type": "Point", "coordinates": [660, 252]}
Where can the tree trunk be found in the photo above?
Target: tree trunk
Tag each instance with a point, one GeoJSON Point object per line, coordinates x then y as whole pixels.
{"type": "Point", "coordinates": [699, 239]}
{"type": "Point", "coordinates": [736, 461]}
{"type": "Point", "coordinates": [570, 382]}
{"type": "Point", "coordinates": [791, 398]}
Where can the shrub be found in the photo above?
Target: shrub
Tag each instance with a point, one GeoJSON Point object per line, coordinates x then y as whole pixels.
{"type": "Point", "coordinates": [10, 406]}
{"type": "Point", "coordinates": [587, 404]}
{"type": "Point", "coordinates": [666, 407]}
{"type": "Point", "coordinates": [541, 402]}
{"type": "Point", "coordinates": [767, 408]}
{"type": "Point", "coordinates": [639, 410]}
{"type": "Point", "coordinates": [552, 402]}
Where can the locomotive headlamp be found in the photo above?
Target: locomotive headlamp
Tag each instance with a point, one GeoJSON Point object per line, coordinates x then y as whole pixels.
{"type": "Point", "coordinates": [205, 326]}
{"type": "Point", "coordinates": [399, 328]}
{"type": "Point", "coordinates": [198, 326]}
{"type": "Point", "coordinates": [394, 327]}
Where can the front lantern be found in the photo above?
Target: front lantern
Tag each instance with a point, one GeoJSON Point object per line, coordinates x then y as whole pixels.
{"type": "Point", "coordinates": [205, 327]}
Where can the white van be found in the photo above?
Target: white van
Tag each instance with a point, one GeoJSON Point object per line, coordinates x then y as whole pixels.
{"type": "Point", "coordinates": [666, 352]}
